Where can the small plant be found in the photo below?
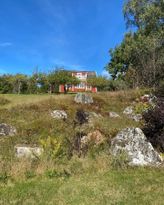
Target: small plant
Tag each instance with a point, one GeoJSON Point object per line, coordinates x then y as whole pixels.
{"type": "Point", "coordinates": [4, 177]}
{"type": "Point", "coordinates": [30, 174]}
{"type": "Point", "coordinates": [142, 107]}
{"type": "Point", "coordinates": [51, 146]}
{"type": "Point", "coordinates": [53, 173]}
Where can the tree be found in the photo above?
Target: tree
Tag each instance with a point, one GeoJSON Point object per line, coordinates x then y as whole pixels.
{"type": "Point", "coordinates": [100, 82]}
{"type": "Point", "coordinates": [141, 51]}
{"type": "Point", "coordinates": [6, 84]}
{"type": "Point", "coordinates": [146, 15]}
{"type": "Point", "coordinates": [19, 83]}
{"type": "Point", "coordinates": [61, 77]}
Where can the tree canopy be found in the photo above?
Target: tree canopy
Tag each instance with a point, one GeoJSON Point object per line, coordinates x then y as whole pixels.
{"type": "Point", "coordinates": [141, 53]}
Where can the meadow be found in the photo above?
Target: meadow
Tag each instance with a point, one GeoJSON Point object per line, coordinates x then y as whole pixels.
{"type": "Point", "coordinates": [66, 178]}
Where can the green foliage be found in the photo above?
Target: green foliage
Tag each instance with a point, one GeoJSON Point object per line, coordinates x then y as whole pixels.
{"type": "Point", "coordinates": [51, 147]}
{"type": "Point", "coordinates": [4, 177]}
{"type": "Point", "coordinates": [139, 59]}
{"type": "Point", "coordinates": [61, 77]}
{"type": "Point", "coordinates": [100, 82]}
{"type": "Point", "coordinates": [29, 174]}
{"type": "Point", "coordinates": [139, 108]}
{"type": "Point", "coordinates": [57, 174]}
{"type": "Point", "coordinates": [38, 82]}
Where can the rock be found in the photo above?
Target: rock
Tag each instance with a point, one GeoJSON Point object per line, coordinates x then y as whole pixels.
{"type": "Point", "coordinates": [83, 117]}
{"type": "Point", "coordinates": [27, 151]}
{"type": "Point", "coordinates": [7, 130]}
{"type": "Point", "coordinates": [150, 99]}
{"type": "Point", "coordinates": [83, 98]}
{"type": "Point", "coordinates": [59, 114]}
{"type": "Point", "coordinates": [114, 115]}
{"type": "Point", "coordinates": [128, 110]}
{"type": "Point", "coordinates": [139, 151]}
{"type": "Point", "coordinates": [96, 137]}
{"type": "Point", "coordinates": [145, 98]}
{"type": "Point", "coordinates": [93, 116]}
{"type": "Point", "coordinates": [135, 117]}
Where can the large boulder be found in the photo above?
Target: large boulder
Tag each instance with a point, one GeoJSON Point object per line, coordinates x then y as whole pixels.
{"type": "Point", "coordinates": [59, 114]}
{"type": "Point", "coordinates": [24, 151]}
{"type": "Point", "coordinates": [83, 98]}
{"type": "Point", "coordinates": [134, 144]}
{"type": "Point", "coordinates": [7, 130]}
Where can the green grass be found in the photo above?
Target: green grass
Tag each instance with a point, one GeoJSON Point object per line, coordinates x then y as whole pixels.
{"type": "Point", "coordinates": [133, 186]}
{"type": "Point", "coordinates": [95, 179]}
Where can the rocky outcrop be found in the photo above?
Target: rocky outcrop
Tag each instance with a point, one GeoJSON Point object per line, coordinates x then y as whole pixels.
{"type": "Point", "coordinates": [59, 114]}
{"type": "Point", "coordinates": [134, 144]}
{"type": "Point", "coordinates": [83, 98]}
{"type": "Point", "coordinates": [7, 130]}
{"type": "Point", "coordinates": [24, 151]}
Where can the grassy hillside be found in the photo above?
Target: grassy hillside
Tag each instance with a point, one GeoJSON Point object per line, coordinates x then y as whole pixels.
{"type": "Point", "coordinates": [96, 178]}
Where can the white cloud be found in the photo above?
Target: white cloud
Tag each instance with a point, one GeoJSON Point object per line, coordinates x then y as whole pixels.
{"type": "Point", "coordinates": [6, 44]}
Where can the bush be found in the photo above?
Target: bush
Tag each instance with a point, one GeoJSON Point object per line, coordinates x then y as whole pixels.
{"type": "Point", "coordinates": [154, 125]}
{"type": "Point", "coordinates": [117, 85]}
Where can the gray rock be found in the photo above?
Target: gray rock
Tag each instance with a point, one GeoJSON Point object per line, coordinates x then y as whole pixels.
{"type": "Point", "coordinates": [92, 117]}
{"type": "Point", "coordinates": [128, 110]}
{"type": "Point", "coordinates": [59, 114]}
{"type": "Point", "coordinates": [114, 115]}
{"type": "Point", "coordinates": [135, 117]}
{"type": "Point", "coordinates": [27, 151]}
{"type": "Point", "coordinates": [139, 151]}
{"type": "Point", "coordinates": [96, 137]}
{"type": "Point", "coordinates": [7, 130]}
{"type": "Point", "coordinates": [83, 98]}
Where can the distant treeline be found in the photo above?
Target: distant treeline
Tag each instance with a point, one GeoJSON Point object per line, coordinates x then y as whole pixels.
{"type": "Point", "coordinates": [40, 82]}
{"type": "Point", "coordinates": [36, 83]}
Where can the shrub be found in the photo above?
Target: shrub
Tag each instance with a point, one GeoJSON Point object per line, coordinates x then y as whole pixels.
{"type": "Point", "coordinates": [154, 125]}
{"type": "Point", "coordinates": [51, 147]}
{"type": "Point", "coordinates": [142, 107]}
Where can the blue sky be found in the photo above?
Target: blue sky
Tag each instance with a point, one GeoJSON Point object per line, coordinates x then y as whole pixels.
{"type": "Point", "coordinates": [76, 34]}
